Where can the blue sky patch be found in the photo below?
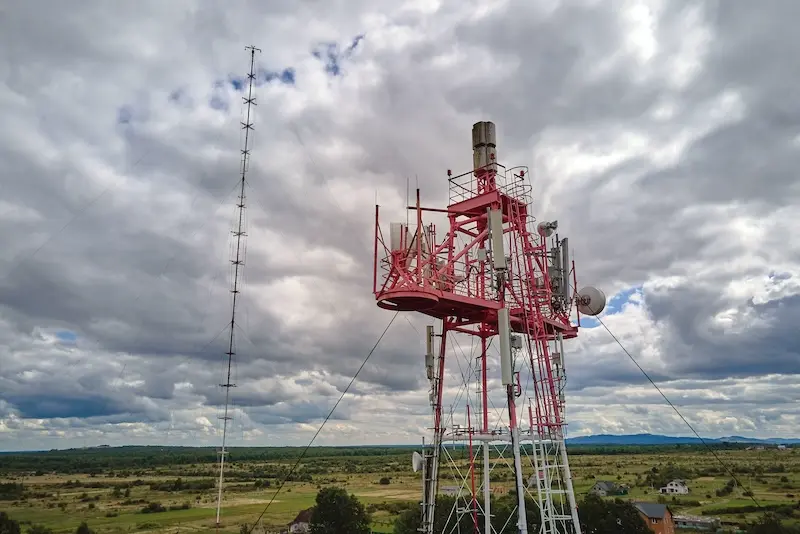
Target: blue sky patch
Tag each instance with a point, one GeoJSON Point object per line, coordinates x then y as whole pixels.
{"type": "Point", "coordinates": [237, 82]}
{"type": "Point", "coordinates": [67, 336]}
{"type": "Point", "coordinates": [286, 76]}
{"type": "Point", "coordinates": [618, 301]}
{"type": "Point", "coordinates": [614, 305]}
{"type": "Point", "coordinates": [332, 56]}
{"type": "Point", "coordinates": [263, 76]}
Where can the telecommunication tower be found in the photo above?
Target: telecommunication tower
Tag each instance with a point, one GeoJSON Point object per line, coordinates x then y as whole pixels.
{"type": "Point", "coordinates": [493, 275]}
{"type": "Point", "coordinates": [237, 262]}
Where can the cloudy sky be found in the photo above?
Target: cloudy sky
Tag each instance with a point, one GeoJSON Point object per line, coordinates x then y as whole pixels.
{"type": "Point", "coordinates": [663, 136]}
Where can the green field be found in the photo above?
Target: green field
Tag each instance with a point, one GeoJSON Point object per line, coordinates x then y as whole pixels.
{"type": "Point", "coordinates": [150, 489]}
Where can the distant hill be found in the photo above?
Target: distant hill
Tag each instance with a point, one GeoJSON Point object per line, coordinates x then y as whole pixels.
{"type": "Point", "coordinates": [657, 439]}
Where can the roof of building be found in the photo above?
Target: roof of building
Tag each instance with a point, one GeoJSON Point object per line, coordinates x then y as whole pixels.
{"type": "Point", "coordinates": [651, 509]}
{"type": "Point", "coordinates": [303, 517]}
{"type": "Point", "coordinates": [606, 485]}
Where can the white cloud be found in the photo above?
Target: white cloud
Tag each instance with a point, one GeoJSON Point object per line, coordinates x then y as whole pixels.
{"type": "Point", "coordinates": [657, 135]}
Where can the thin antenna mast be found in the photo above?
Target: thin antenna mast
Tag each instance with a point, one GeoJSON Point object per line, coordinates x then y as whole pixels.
{"type": "Point", "coordinates": [237, 262]}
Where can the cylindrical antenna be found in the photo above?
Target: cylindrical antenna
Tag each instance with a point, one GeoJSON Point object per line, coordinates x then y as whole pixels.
{"type": "Point", "coordinates": [484, 146]}
{"type": "Point", "coordinates": [238, 263]}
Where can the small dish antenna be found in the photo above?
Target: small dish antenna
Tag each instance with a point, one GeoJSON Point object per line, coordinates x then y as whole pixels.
{"type": "Point", "coordinates": [416, 461]}
{"type": "Point", "coordinates": [591, 301]}
{"type": "Point", "coordinates": [546, 229]}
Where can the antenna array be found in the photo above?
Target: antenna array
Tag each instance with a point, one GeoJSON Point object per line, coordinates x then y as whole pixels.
{"type": "Point", "coordinates": [238, 264]}
{"type": "Point", "coordinates": [492, 275]}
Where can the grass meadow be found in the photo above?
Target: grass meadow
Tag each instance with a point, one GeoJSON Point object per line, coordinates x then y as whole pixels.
{"type": "Point", "coordinates": [150, 489]}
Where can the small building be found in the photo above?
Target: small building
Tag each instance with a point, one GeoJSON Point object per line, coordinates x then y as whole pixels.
{"type": "Point", "coordinates": [687, 522]}
{"type": "Point", "coordinates": [604, 488]}
{"type": "Point", "coordinates": [658, 517]}
{"type": "Point", "coordinates": [675, 487]}
{"type": "Point", "coordinates": [301, 523]}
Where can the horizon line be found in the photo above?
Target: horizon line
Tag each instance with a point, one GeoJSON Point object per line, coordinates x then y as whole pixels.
{"type": "Point", "coordinates": [409, 445]}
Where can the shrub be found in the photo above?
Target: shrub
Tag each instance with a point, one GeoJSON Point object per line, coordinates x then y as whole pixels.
{"type": "Point", "coordinates": [153, 508]}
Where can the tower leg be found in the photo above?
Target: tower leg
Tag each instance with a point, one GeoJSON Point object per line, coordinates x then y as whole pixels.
{"type": "Point", "coordinates": [566, 473]}
{"type": "Point", "coordinates": [522, 516]}
{"type": "Point", "coordinates": [487, 492]}
{"type": "Point", "coordinates": [570, 491]}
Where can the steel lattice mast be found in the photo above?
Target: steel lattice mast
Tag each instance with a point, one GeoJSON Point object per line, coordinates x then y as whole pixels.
{"type": "Point", "coordinates": [492, 276]}
{"type": "Point", "coordinates": [238, 264]}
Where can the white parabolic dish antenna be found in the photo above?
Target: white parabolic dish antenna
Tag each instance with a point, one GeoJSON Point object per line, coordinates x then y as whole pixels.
{"type": "Point", "coordinates": [546, 228]}
{"type": "Point", "coordinates": [591, 301]}
{"type": "Point", "coordinates": [416, 461]}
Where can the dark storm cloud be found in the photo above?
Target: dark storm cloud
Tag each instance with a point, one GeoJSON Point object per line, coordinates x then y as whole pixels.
{"type": "Point", "coordinates": [300, 412]}
{"type": "Point", "coordinates": [44, 406]}
{"type": "Point", "coordinates": [247, 396]}
{"type": "Point", "coordinates": [761, 394]}
{"type": "Point", "coordinates": [703, 351]}
{"type": "Point", "coordinates": [609, 373]}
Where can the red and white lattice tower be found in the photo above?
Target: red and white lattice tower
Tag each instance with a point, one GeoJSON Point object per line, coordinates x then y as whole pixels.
{"type": "Point", "coordinates": [492, 274]}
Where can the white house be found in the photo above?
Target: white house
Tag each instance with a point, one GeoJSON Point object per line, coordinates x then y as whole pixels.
{"type": "Point", "coordinates": [604, 488]}
{"type": "Point", "coordinates": [676, 487]}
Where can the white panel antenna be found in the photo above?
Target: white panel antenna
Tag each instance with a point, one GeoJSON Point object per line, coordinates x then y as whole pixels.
{"type": "Point", "coordinates": [416, 461]}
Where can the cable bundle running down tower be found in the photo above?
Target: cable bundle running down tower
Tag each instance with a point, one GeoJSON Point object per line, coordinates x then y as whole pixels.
{"type": "Point", "coordinates": [238, 264]}
{"type": "Point", "coordinates": [493, 274]}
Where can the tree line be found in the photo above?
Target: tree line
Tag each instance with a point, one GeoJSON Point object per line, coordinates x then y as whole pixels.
{"type": "Point", "coordinates": [100, 459]}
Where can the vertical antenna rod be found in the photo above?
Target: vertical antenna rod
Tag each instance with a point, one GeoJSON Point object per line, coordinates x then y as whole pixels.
{"type": "Point", "coordinates": [237, 262]}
